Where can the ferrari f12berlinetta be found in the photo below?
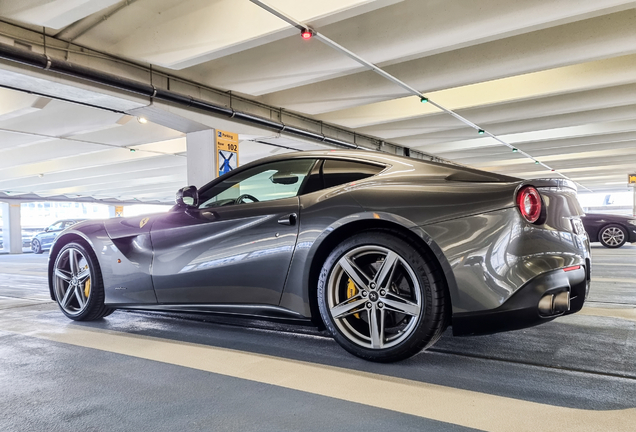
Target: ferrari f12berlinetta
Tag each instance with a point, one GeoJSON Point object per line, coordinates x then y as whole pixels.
{"type": "Point", "coordinates": [384, 251]}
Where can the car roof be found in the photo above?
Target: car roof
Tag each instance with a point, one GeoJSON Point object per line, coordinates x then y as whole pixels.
{"type": "Point", "coordinates": [386, 159]}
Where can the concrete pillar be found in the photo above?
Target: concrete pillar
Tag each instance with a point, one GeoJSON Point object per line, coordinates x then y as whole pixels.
{"type": "Point", "coordinates": [201, 157]}
{"type": "Point", "coordinates": [12, 227]}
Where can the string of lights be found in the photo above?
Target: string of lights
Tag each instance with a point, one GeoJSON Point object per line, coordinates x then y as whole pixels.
{"type": "Point", "coordinates": [308, 33]}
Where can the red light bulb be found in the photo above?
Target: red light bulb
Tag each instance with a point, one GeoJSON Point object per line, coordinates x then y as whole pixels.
{"type": "Point", "coordinates": [306, 34]}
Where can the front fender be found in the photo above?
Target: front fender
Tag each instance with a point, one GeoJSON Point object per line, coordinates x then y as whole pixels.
{"type": "Point", "coordinates": [74, 233]}
{"type": "Point", "coordinates": [125, 262]}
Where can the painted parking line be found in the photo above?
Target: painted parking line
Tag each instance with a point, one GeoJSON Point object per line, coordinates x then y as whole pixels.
{"type": "Point", "coordinates": [461, 407]}
{"type": "Point", "coordinates": [628, 312]}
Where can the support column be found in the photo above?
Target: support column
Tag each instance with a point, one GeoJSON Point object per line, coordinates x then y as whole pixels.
{"type": "Point", "coordinates": [201, 157]}
{"type": "Point", "coordinates": [12, 228]}
{"type": "Point", "coordinates": [634, 200]}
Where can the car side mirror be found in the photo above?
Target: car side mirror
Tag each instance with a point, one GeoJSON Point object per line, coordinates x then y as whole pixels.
{"type": "Point", "coordinates": [187, 197]}
{"type": "Point", "coordinates": [284, 178]}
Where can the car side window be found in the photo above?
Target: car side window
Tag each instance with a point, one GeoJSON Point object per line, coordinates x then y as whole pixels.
{"type": "Point", "coordinates": [336, 172]}
{"type": "Point", "coordinates": [267, 182]}
{"type": "Point", "coordinates": [56, 226]}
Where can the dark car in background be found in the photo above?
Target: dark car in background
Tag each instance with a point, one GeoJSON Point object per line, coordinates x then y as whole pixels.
{"type": "Point", "coordinates": [43, 240]}
{"type": "Point", "coordinates": [613, 231]}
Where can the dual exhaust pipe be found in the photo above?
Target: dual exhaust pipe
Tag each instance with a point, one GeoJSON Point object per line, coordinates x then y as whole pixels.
{"type": "Point", "coordinates": [551, 304]}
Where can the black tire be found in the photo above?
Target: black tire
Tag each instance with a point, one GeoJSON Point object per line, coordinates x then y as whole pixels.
{"type": "Point", "coordinates": [612, 236]}
{"type": "Point", "coordinates": [110, 312]}
{"type": "Point", "coordinates": [36, 247]}
{"type": "Point", "coordinates": [421, 331]}
{"type": "Point", "coordinates": [94, 308]}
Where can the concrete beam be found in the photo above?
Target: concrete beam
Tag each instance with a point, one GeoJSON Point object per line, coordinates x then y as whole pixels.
{"type": "Point", "coordinates": [201, 158]}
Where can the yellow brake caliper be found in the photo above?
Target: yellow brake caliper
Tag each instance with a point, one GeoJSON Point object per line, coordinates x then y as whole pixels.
{"type": "Point", "coordinates": [87, 287]}
{"type": "Point", "coordinates": [351, 291]}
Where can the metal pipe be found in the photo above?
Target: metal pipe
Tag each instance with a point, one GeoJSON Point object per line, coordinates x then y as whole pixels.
{"type": "Point", "coordinates": [43, 61]}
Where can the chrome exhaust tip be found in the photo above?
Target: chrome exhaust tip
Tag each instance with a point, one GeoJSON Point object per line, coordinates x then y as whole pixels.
{"type": "Point", "coordinates": [545, 304]}
{"type": "Point", "coordinates": [561, 302]}
{"type": "Point", "coordinates": [551, 304]}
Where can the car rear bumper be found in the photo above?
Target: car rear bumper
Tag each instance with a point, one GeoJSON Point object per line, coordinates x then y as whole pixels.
{"type": "Point", "coordinates": [521, 310]}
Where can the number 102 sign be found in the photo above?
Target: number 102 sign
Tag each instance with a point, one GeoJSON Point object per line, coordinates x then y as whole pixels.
{"type": "Point", "coordinates": [227, 145]}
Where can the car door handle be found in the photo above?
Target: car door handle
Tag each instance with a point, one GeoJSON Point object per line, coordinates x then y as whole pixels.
{"type": "Point", "coordinates": [290, 219]}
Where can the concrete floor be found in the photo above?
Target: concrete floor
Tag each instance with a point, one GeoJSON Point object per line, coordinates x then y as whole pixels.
{"type": "Point", "coordinates": [159, 372]}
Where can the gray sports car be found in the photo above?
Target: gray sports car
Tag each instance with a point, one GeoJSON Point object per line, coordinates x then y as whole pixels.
{"type": "Point", "coordinates": [384, 251]}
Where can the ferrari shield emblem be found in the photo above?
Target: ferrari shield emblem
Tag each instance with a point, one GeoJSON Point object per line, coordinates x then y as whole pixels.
{"type": "Point", "coordinates": [143, 222]}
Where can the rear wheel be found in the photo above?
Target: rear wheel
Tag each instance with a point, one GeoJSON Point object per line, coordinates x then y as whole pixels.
{"type": "Point", "coordinates": [36, 247]}
{"type": "Point", "coordinates": [380, 298]}
{"type": "Point", "coordinates": [77, 282]}
{"type": "Point", "coordinates": [613, 236]}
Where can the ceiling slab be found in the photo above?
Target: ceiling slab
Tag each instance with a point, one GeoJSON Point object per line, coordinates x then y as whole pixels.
{"type": "Point", "coordinates": [555, 78]}
{"type": "Point", "coordinates": [54, 14]}
{"type": "Point", "coordinates": [179, 34]}
{"type": "Point", "coordinates": [580, 42]}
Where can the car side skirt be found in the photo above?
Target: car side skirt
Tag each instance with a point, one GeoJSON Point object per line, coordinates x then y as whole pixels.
{"type": "Point", "coordinates": [245, 310]}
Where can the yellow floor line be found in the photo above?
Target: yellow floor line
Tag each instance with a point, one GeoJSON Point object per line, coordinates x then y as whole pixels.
{"type": "Point", "coordinates": [461, 407]}
{"type": "Point", "coordinates": [628, 313]}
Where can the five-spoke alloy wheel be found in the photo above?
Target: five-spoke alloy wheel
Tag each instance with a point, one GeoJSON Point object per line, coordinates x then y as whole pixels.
{"type": "Point", "coordinates": [613, 236]}
{"type": "Point", "coordinates": [380, 299]}
{"type": "Point", "coordinates": [77, 284]}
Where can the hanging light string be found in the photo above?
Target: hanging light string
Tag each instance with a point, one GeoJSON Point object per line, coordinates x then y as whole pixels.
{"type": "Point", "coordinates": [308, 33]}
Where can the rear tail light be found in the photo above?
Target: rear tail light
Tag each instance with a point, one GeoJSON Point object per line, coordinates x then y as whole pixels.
{"type": "Point", "coordinates": [529, 202]}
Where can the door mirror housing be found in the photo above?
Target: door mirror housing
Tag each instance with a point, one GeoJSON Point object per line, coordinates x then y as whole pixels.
{"type": "Point", "coordinates": [284, 178]}
{"type": "Point", "coordinates": [187, 197]}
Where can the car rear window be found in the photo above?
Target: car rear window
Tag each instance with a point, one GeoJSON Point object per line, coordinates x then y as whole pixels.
{"type": "Point", "coordinates": [336, 172]}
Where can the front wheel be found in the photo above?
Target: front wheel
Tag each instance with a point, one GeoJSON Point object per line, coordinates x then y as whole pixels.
{"type": "Point", "coordinates": [380, 298]}
{"type": "Point", "coordinates": [613, 236]}
{"type": "Point", "coordinates": [36, 247]}
{"type": "Point", "coordinates": [77, 283]}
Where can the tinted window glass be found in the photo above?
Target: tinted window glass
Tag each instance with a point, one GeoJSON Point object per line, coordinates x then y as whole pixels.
{"type": "Point", "coordinates": [314, 181]}
{"type": "Point", "coordinates": [56, 226]}
{"type": "Point", "coordinates": [336, 172]}
{"type": "Point", "coordinates": [276, 180]}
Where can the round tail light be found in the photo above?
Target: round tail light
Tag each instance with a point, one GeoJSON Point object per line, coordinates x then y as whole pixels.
{"type": "Point", "coordinates": [529, 202]}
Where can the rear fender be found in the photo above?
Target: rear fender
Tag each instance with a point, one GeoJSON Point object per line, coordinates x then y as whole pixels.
{"type": "Point", "coordinates": [311, 253]}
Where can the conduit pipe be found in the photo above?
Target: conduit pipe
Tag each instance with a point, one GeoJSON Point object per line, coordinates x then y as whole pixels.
{"type": "Point", "coordinates": [63, 67]}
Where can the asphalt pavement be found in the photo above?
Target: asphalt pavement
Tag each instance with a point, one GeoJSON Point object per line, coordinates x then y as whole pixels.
{"type": "Point", "coordinates": [155, 371]}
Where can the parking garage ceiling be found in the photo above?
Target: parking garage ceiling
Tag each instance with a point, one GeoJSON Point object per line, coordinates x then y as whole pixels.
{"type": "Point", "coordinates": [556, 79]}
